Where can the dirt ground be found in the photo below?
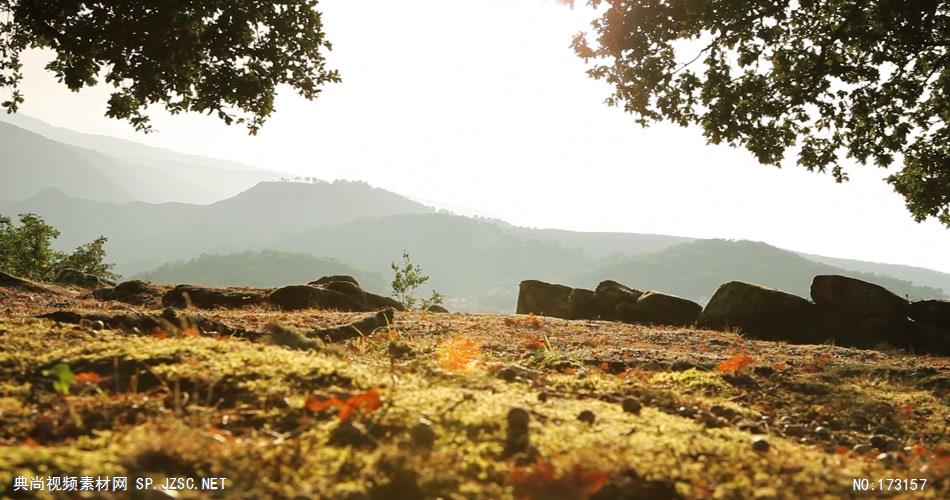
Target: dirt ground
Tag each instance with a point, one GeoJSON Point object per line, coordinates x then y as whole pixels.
{"type": "Point", "coordinates": [459, 406]}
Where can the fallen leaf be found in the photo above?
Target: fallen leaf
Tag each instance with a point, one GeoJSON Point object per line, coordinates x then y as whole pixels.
{"type": "Point", "coordinates": [735, 364]}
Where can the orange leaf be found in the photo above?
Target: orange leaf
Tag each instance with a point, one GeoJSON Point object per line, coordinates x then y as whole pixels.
{"type": "Point", "coordinates": [458, 353]}
{"type": "Point", "coordinates": [366, 402]}
{"type": "Point", "coordinates": [735, 364]}
{"type": "Point", "coordinates": [160, 334]}
{"type": "Point", "coordinates": [534, 343]}
{"type": "Point", "coordinates": [191, 332]}
{"type": "Point", "coordinates": [906, 410]}
{"type": "Point", "coordinates": [542, 481]}
{"type": "Point", "coordinates": [30, 442]}
{"type": "Point", "coordinates": [779, 366]}
{"type": "Point", "coordinates": [87, 378]}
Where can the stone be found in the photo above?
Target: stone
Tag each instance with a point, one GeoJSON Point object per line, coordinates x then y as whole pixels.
{"type": "Point", "coordinates": [631, 405]}
{"type": "Point", "coordinates": [582, 303]}
{"type": "Point", "coordinates": [201, 297]}
{"type": "Point", "coordinates": [436, 308]}
{"type": "Point", "coordinates": [655, 308]}
{"type": "Point", "coordinates": [760, 445]}
{"type": "Point", "coordinates": [931, 312]}
{"type": "Point", "coordinates": [855, 298]}
{"type": "Point", "coordinates": [558, 301]}
{"type": "Point", "coordinates": [609, 294]}
{"type": "Point", "coordinates": [762, 313]}
{"type": "Point", "coordinates": [81, 279]}
{"type": "Point", "coordinates": [335, 279]}
{"type": "Point", "coordinates": [135, 292]}
{"type": "Point", "coordinates": [422, 434]}
{"type": "Point", "coordinates": [587, 417]}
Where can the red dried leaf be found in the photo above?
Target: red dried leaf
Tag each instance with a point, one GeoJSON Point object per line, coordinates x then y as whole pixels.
{"type": "Point", "coordinates": [735, 364]}
{"type": "Point", "coordinates": [534, 343]}
{"type": "Point", "coordinates": [366, 402]}
{"type": "Point", "coordinates": [542, 481]}
{"type": "Point", "coordinates": [87, 378]}
{"type": "Point", "coordinates": [31, 443]}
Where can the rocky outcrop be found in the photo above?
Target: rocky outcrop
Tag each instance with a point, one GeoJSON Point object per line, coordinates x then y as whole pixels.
{"type": "Point", "coordinates": [78, 278]}
{"type": "Point", "coordinates": [762, 313]}
{"type": "Point", "coordinates": [436, 308]}
{"type": "Point", "coordinates": [856, 299]}
{"type": "Point", "coordinates": [609, 294]}
{"type": "Point", "coordinates": [135, 292]}
{"type": "Point", "coordinates": [341, 293]}
{"type": "Point", "coordinates": [655, 308]}
{"type": "Point", "coordinates": [930, 312]}
{"type": "Point", "coordinates": [183, 296]}
{"type": "Point", "coordinates": [544, 299]}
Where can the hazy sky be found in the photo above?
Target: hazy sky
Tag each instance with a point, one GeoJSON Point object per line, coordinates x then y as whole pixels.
{"type": "Point", "coordinates": [483, 104]}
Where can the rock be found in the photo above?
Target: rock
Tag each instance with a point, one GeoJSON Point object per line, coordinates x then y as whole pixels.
{"type": "Point", "coordinates": [583, 304]}
{"type": "Point", "coordinates": [297, 297]}
{"type": "Point", "coordinates": [376, 302]}
{"type": "Point", "coordinates": [932, 339]}
{"type": "Point", "coordinates": [135, 292]}
{"type": "Point", "coordinates": [335, 279]}
{"type": "Point", "coordinates": [362, 328]}
{"type": "Point", "coordinates": [210, 298]}
{"type": "Point", "coordinates": [587, 417]}
{"type": "Point", "coordinates": [885, 443]}
{"type": "Point", "coordinates": [655, 308]}
{"type": "Point", "coordinates": [855, 298]}
{"type": "Point", "coordinates": [81, 279]}
{"type": "Point", "coordinates": [609, 294]}
{"type": "Point", "coordinates": [422, 434]}
{"type": "Point", "coordinates": [870, 333]}
{"type": "Point", "coordinates": [516, 439]}
{"type": "Point", "coordinates": [398, 349]}
{"type": "Point", "coordinates": [862, 449]}
{"type": "Point", "coordinates": [760, 445]}
{"type": "Point", "coordinates": [794, 430]}
{"type": "Point", "coordinates": [761, 313]}
{"type": "Point", "coordinates": [436, 308]}
{"type": "Point", "coordinates": [931, 312]}
{"type": "Point", "coordinates": [631, 405]}
{"type": "Point", "coordinates": [558, 301]}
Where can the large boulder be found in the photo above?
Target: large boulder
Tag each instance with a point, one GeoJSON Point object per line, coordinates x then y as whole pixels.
{"type": "Point", "coordinates": [655, 308]}
{"type": "Point", "coordinates": [856, 299]}
{"type": "Point", "coordinates": [295, 297]}
{"type": "Point", "coordinates": [544, 299]}
{"type": "Point", "coordinates": [334, 279]}
{"type": "Point", "coordinates": [201, 297]}
{"type": "Point", "coordinates": [762, 313]}
{"type": "Point", "coordinates": [583, 304]}
{"type": "Point", "coordinates": [609, 294]}
{"type": "Point", "coordinates": [931, 312]}
{"type": "Point", "coordinates": [135, 292]}
{"type": "Point", "coordinates": [872, 333]}
{"type": "Point", "coordinates": [81, 279]}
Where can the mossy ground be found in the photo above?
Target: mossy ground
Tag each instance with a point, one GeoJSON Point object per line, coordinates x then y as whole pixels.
{"type": "Point", "coordinates": [208, 406]}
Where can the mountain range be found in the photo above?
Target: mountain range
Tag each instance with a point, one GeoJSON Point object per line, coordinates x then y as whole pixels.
{"type": "Point", "coordinates": [274, 232]}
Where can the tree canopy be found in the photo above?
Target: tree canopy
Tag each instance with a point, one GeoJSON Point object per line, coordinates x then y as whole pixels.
{"type": "Point", "coordinates": [211, 56]}
{"type": "Point", "coordinates": [823, 79]}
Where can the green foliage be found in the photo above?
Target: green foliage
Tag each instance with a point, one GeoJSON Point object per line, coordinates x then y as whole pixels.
{"type": "Point", "coordinates": [209, 56]}
{"type": "Point", "coordinates": [406, 279]}
{"type": "Point", "coordinates": [62, 376]}
{"type": "Point", "coordinates": [26, 250]}
{"type": "Point", "coordinates": [828, 78]}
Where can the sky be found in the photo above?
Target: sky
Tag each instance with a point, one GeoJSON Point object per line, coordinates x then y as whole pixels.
{"type": "Point", "coordinates": [483, 105]}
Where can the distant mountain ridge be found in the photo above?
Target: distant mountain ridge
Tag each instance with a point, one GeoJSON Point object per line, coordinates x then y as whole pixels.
{"type": "Point", "coordinates": [476, 261]}
{"type": "Point", "coordinates": [35, 156]}
{"type": "Point", "coordinates": [265, 268]}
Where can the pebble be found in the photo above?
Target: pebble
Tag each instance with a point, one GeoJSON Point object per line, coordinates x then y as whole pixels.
{"type": "Point", "coordinates": [884, 443]}
{"type": "Point", "coordinates": [631, 405]}
{"type": "Point", "coordinates": [862, 449]}
{"type": "Point", "coordinates": [760, 445]}
{"type": "Point", "coordinates": [587, 417]}
{"type": "Point", "coordinates": [423, 434]}
{"type": "Point", "coordinates": [794, 430]}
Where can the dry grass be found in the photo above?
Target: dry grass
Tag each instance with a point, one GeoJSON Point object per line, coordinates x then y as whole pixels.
{"type": "Point", "coordinates": [344, 421]}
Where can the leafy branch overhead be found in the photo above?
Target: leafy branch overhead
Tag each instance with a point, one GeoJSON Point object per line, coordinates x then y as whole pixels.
{"type": "Point", "coordinates": [830, 79]}
{"type": "Point", "coordinates": [208, 56]}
